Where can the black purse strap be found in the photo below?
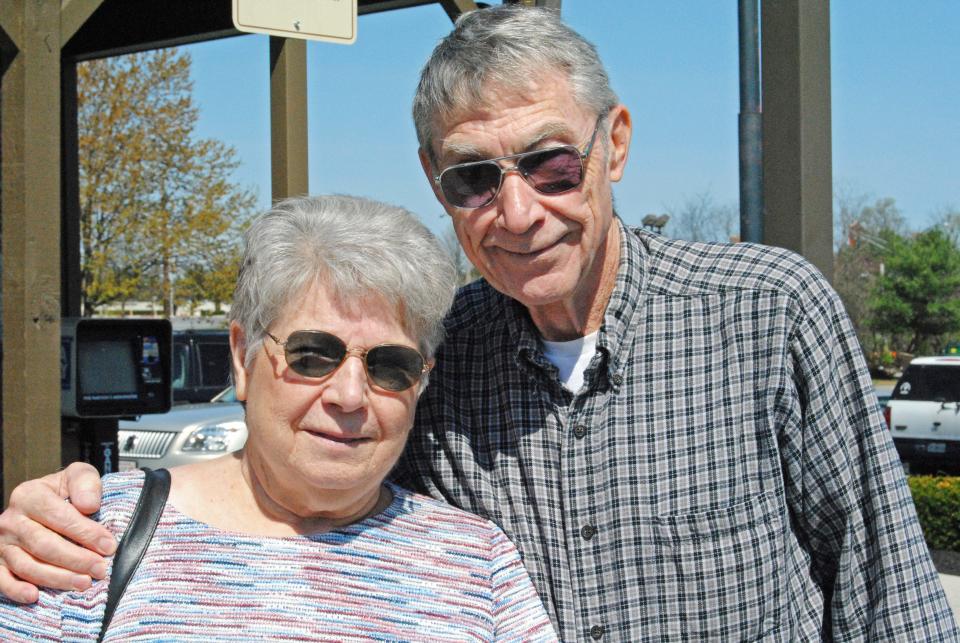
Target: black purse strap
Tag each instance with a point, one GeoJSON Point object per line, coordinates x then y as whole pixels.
{"type": "Point", "coordinates": [143, 522]}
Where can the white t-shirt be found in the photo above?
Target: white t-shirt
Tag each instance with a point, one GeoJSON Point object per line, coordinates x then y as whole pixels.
{"type": "Point", "coordinates": [571, 358]}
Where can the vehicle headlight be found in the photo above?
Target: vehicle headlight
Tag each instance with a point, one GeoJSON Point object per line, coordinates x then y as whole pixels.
{"type": "Point", "coordinates": [213, 438]}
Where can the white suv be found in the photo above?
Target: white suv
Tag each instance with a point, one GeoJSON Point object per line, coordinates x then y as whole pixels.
{"type": "Point", "coordinates": [924, 413]}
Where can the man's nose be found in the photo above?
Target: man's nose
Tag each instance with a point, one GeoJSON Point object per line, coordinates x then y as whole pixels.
{"type": "Point", "coordinates": [517, 203]}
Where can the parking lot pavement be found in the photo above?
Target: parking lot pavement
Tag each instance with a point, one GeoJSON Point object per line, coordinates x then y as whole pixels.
{"type": "Point", "coordinates": [951, 585]}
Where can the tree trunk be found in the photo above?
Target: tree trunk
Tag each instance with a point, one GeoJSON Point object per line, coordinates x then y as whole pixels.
{"type": "Point", "coordinates": [166, 288]}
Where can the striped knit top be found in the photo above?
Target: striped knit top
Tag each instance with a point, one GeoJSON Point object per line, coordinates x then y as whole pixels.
{"type": "Point", "coordinates": [421, 570]}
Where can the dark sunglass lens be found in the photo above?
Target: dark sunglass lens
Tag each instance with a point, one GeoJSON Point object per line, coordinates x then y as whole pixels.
{"type": "Point", "coordinates": [395, 368]}
{"type": "Point", "coordinates": [314, 354]}
{"type": "Point", "coordinates": [553, 171]}
{"type": "Point", "coordinates": [470, 186]}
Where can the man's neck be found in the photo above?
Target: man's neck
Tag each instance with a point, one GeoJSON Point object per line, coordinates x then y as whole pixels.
{"type": "Point", "coordinates": [583, 313]}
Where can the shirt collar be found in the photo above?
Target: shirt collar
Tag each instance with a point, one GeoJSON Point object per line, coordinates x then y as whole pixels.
{"type": "Point", "coordinates": [626, 302]}
{"type": "Point", "coordinates": [618, 321]}
{"type": "Point", "coordinates": [521, 327]}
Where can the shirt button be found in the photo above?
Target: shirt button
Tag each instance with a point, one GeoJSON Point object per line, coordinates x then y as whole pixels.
{"type": "Point", "coordinates": [596, 632]}
{"type": "Point", "coordinates": [588, 532]}
{"type": "Point", "coordinates": [579, 431]}
{"type": "Point", "coordinates": [618, 379]}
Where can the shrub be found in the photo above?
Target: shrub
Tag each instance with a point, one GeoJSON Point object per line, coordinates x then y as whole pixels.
{"type": "Point", "coordinates": [937, 499]}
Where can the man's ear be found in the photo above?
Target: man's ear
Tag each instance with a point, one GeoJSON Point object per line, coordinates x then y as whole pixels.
{"type": "Point", "coordinates": [621, 129]}
{"type": "Point", "coordinates": [238, 350]}
{"type": "Point", "coordinates": [428, 170]}
{"type": "Point", "coordinates": [425, 379]}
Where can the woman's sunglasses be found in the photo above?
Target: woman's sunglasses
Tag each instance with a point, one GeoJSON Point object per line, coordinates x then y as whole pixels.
{"type": "Point", "coordinates": [314, 353]}
{"type": "Point", "coordinates": [550, 171]}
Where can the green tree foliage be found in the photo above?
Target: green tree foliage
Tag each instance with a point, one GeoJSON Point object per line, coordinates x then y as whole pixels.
{"type": "Point", "coordinates": [937, 499]}
{"type": "Point", "coordinates": [862, 226]}
{"type": "Point", "coordinates": [213, 278]}
{"type": "Point", "coordinates": [948, 220]}
{"type": "Point", "coordinates": [918, 294]}
{"type": "Point", "coordinates": [154, 198]}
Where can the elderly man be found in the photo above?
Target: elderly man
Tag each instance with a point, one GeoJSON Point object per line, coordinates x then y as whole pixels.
{"type": "Point", "coordinates": [681, 438]}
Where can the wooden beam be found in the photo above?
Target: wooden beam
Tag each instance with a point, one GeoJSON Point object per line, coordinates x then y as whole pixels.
{"type": "Point", "coordinates": [30, 210]}
{"type": "Point", "coordinates": [73, 13]}
{"type": "Point", "coordinates": [797, 156]}
{"type": "Point", "coordinates": [8, 48]}
{"type": "Point", "coordinates": [288, 117]}
{"type": "Point", "coordinates": [455, 8]}
{"type": "Point", "coordinates": [127, 26]}
{"type": "Point", "coordinates": [550, 4]}
{"type": "Point", "coordinates": [71, 282]}
{"type": "Point", "coordinates": [10, 18]}
{"type": "Point", "coordinates": [365, 7]}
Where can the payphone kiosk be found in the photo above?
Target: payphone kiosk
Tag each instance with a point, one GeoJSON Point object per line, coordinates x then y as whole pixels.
{"type": "Point", "coordinates": [112, 368]}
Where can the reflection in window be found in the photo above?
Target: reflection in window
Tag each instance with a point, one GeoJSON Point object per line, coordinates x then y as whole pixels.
{"type": "Point", "coordinates": [181, 353]}
{"type": "Point", "coordinates": [214, 364]}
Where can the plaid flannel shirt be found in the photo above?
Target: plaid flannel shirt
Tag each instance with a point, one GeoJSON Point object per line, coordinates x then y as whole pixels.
{"type": "Point", "coordinates": [724, 474]}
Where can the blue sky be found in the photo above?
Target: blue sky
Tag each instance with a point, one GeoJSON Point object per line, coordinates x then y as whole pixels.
{"type": "Point", "coordinates": [895, 90]}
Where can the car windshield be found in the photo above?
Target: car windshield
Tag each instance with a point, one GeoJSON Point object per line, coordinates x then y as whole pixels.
{"type": "Point", "coordinates": [929, 382]}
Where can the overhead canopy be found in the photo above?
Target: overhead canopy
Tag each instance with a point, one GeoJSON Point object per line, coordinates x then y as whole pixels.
{"type": "Point", "coordinates": [124, 26]}
{"type": "Point", "coordinates": [40, 43]}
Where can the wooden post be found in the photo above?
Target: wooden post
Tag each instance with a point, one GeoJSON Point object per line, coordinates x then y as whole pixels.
{"type": "Point", "coordinates": [288, 117]}
{"type": "Point", "coordinates": [797, 157]}
{"type": "Point", "coordinates": [32, 35]}
{"type": "Point", "coordinates": [30, 206]}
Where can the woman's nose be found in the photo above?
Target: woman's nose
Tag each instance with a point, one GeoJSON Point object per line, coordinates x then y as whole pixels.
{"type": "Point", "coordinates": [347, 387]}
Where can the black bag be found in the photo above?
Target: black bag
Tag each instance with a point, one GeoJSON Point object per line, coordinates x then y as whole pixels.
{"type": "Point", "coordinates": [143, 522]}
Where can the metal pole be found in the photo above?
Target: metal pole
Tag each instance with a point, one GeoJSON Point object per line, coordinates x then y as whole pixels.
{"type": "Point", "coordinates": [751, 125]}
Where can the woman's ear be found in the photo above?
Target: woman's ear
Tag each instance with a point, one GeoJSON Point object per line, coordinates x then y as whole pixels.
{"type": "Point", "coordinates": [238, 352]}
{"type": "Point", "coordinates": [621, 129]}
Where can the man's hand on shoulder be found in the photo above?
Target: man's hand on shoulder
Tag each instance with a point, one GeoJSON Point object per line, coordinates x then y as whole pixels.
{"type": "Point", "coordinates": [34, 550]}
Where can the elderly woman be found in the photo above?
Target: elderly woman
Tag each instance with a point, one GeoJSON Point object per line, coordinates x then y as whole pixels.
{"type": "Point", "coordinates": [337, 313]}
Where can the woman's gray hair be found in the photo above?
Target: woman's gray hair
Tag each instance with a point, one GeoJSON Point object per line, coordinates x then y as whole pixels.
{"type": "Point", "coordinates": [505, 45]}
{"type": "Point", "coordinates": [355, 247]}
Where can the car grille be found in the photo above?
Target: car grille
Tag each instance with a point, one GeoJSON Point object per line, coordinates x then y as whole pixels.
{"type": "Point", "coordinates": [144, 444]}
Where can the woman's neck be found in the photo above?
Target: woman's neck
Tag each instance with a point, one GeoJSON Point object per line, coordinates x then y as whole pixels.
{"type": "Point", "coordinates": [243, 501]}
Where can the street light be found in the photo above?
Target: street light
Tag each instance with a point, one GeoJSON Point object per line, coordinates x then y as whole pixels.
{"type": "Point", "coordinates": [857, 233]}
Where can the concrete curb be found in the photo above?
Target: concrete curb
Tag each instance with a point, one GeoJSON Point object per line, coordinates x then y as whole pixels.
{"type": "Point", "coordinates": [951, 586]}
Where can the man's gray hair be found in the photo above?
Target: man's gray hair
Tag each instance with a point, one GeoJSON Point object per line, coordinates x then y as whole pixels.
{"type": "Point", "coordinates": [505, 45]}
{"type": "Point", "coordinates": [353, 246]}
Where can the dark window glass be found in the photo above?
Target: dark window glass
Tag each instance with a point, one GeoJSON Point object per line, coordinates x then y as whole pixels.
{"type": "Point", "coordinates": [214, 364]}
{"type": "Point", "coordinates": [929, 382]}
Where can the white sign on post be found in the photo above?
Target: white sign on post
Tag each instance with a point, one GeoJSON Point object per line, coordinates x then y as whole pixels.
{"type": "Point", "coordinates": [327, 20]}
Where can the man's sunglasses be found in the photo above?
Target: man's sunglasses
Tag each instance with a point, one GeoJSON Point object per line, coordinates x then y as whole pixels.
{"type": "Point", "coordinates": [550, 171]}
{"type": "Point", "coordinates": [314, 353]}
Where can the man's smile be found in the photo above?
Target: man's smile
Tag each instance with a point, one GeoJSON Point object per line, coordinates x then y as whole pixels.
{"type": "Point", "coordinates": [529, 250]}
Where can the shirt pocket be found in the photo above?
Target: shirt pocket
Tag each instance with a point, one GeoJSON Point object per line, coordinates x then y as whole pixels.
{"type": "Point", "coordinates": [718, 574]}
